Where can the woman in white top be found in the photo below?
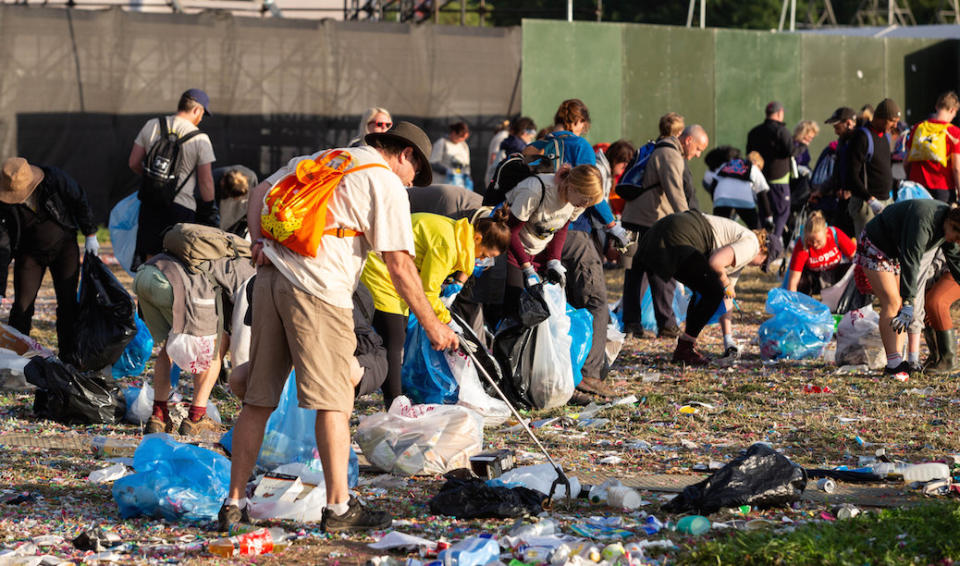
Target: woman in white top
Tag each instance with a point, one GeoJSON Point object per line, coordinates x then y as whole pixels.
{"type": "Point", "coordinates": [451, 156]}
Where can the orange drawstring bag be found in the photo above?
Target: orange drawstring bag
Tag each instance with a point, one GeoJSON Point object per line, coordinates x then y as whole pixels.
{"type": "Point", "coordinates": [296, 207]}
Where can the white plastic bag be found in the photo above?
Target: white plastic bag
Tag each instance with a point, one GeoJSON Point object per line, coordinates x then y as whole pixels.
{"type": "Point", "coordinates": [12, 377]}
{"type": "Point", "coordinates": [472, 395]}
{"type": "Point", "coordinates": [124, 219]}
{"type": "Point", "coordinates": [615, 340]}
{"type": "Point", "coordinates": [540, 477]}
{"type": "Point", "coordinates": [421, 439]}
{"type": "Point", "coordinates": [240, 332]}
{"type": "Point", "coordinates": [858, 339]}
{"type": "Point", "coordinates": [193, 354]}
{"type": "Point", "coordinates": [551, 375]}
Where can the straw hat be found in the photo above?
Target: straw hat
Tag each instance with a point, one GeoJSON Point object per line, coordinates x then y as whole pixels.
{"type": "Point", "coordinates": [414, 137]}
{"type": "Point", "coordinates": [18, 179]}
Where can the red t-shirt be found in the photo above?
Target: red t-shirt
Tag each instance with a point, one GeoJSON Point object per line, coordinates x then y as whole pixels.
{"type": "Point", "coordinates": [822, 259]}
{"type": "Point", "coordinates": [931, 174]}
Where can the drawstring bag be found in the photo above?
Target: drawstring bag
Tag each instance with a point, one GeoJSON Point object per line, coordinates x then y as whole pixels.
{"type": "Point", "coordinates": [295, 209]}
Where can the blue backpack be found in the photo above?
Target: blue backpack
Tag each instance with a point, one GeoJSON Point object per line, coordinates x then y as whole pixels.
{"type": "Point", "coordinates": [631, 182]}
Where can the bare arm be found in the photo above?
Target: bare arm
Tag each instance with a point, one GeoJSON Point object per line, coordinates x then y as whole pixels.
{"type": "Point", "coordinates": [135, 161]}
{"type": "Point", "coordinates": [253, 222]}
{"type": "Point", "coordinates": [406, 280]}
{"type": "Point", "coordinates": [720, 260]}
{"type": "Point", "coordinates": [205, 182]}
{"type": "Point", "coordinates": [794, 280]}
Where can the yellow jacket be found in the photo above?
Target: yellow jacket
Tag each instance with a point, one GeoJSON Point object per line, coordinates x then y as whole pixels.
{"type": "Point", "coordinates": [442, 245]}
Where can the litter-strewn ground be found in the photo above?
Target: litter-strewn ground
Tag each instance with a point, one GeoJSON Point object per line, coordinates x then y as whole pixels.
{"type": "Point", "coordinates": [684, 424]}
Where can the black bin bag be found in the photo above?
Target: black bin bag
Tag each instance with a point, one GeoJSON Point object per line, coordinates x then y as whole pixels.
{"type": "Point", "coordinates": [106, 320]}
{"type": "Point", "coordinates": [761, 477]}
{"type": "Point", "coordinates": [474, 499]}
{"type": "Point", "coordinates": [71, 397]}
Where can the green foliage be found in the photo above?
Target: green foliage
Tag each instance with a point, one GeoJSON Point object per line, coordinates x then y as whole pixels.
{"type": "Point", "coordinates": [922, 535]}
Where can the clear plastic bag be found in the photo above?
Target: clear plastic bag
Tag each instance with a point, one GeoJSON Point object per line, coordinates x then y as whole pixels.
{"type": "Point", "coordinates": [472, 395]}
{"type": "Point", "coordinates": [192, 353]}
{"type": "Point", "coordinates": [800, 329]}
{"type": "Point", "coordinates": [858, 339]}
{"type": "Point", "coordinates": [551, 381]}
{"type": "Point", "coordinates": [421, 439]}
{"type": "Point", "coordinates": [124, 220]}
{"type": "Point", "coordinates": [909, 190]}
{"type": "Point", "coordinates": [178, 482]}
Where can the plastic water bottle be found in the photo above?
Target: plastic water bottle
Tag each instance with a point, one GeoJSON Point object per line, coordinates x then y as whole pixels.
{"type": "Point", "coordinates": [693, 525]}
{"type": "Point", "coordinates": [109, 447]}
{"type": "Point", "coordinates": [623, 497]}
{"type": "Point", "coordinates": [652, 525]}
{"type": "Point", "coordinates": [599, 493]}
{"type": "Point", "coordinates": [260, 541]}
{"type": "Point", "coordinates": [926, 472]}
{"type": "Point", "coordinates": [545, 527]}
{"type": "Point", "coordinates": [473, 551]}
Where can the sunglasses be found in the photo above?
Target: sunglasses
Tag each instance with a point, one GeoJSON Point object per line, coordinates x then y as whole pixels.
{"type": "Point", "coordinates": [387, 125]}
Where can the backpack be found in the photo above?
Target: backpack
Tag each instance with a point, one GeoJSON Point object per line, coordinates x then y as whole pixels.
{"type": "Point", "coordinates": [929, 143]}
{"type": "Point", "coordinates": [159, 185]}
{"type": "Point", "coordinates": [506, 176]}
{"type": "Point", "coordinates": [551, 155]}
{"type": "Point", "coordinates": [823, 170]}
{"type": "Point", "coordinates": [736, 169]}
{"type": "Point", "coordinates": [631, 182]}
{"type": "Point", "coordinates": [194, 244]}
{"type": "Point", "coordinates": [296, 206]}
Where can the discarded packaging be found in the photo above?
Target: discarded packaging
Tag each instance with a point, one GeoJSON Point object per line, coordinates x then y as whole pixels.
{"type": "Point", "coordinates": [492, 463]}
{"type": "Point", "coordinates": [827, 485]}
{"type": "Point", "coordinates": [693, 525]}
{"type": "Point", "coordinates": [260, 541]}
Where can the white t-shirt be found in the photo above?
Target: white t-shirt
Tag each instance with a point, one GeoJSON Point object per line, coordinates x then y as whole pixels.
{"type": "Point", "coordinates": [493, 154]}
{"type": "Point", "coordinates": [451, 155]}
{"type": "Point", "coordinates": [738, 193]}
{"type": "Point", "coordinates": [373, 201]}
{"type": "Point", "coordinates": [196, 151]}
{"type": "Point", "coordinates": [744, 242]}
{"type": "Point", "coordinates": [542, 220]}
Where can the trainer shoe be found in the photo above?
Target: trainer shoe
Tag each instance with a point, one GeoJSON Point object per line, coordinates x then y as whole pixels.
{"type": "Point", "coordinates": [900, 373]}
{"type": "Point", "coordinates": [156, 424]}
{"type": "Point", "coordinates": [730, 357]}
{"type": "Point", "coordinates": [230, 516]}
{"type": "Point", "coordinates": [595, 386]}
{"type": "Point", "coordinates": [357, 518]}
{"type": "Point", "coordinates": [203, 427]}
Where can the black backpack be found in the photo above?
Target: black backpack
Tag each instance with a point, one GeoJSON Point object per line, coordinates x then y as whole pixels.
{"type": "Point", "coordinates": [506, 176]}
{"type": "Point", "coordinates": [159, 185]}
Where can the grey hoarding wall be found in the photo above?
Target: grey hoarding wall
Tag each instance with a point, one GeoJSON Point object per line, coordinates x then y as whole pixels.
{"type": "Point", "coordinates": [75, 86]}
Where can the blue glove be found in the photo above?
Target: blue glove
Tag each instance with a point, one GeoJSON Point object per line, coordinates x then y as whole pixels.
{"type": "Point", "coordinates": [449, 293]}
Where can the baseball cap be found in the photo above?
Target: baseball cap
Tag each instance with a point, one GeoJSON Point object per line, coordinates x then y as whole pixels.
{"type": "Point", "coordinates": [200, 97]}
{"type": "Point", "coordinates": [887, 109]}
{"type": "Point", "coordinates": [841, 114]}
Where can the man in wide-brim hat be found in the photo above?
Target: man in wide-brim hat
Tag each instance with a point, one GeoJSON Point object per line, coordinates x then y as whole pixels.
{"type": "Point", "coordinates": [41, 209]}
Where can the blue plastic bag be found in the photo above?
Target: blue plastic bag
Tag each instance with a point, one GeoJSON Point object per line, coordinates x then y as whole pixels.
{"type": "Point", "coordinates": [425, 375]}
{"type": "Point", "coordinates": [912, 190]}
{"type": "Point", "coordinates": [124, 219]}
{"type": "Point", "coordinates": [290, 435]}
{"type": "Point", "coordinates": [581, 334]}
{"type": "Point", "coordinates": [134, 357]}
{"type": "Point", "coordinates": [800, 329]}
{"type": "Point", "coordinates": [174, 481]}
{"type": "Point", "coordinates": [648, 317]}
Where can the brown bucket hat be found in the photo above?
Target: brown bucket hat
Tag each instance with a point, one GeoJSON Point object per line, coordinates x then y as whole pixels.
{"type": "Point", "coordinates": [18, 179]}
{"type": "Point", "coordinates": [410, 135]}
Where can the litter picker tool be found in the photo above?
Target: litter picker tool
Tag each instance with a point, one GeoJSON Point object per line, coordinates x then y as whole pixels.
{"type": "Point", "coordinates": [470, 350]}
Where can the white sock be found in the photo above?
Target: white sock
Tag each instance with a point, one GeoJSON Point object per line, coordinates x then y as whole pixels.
{"type": "Point", "coordinates": [241, 503]}
{"type": "Point", "coordinates": [893, 360]}
{"type": "Point", "coordinates": [913, 357]}
{"type": "Point", "coordinates": [728, 341]}
{"type": "Point", "coordinates": [339, 508]}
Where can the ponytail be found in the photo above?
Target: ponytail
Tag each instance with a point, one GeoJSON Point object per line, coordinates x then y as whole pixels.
{"type": "Point", "coordinates": [493, 229]}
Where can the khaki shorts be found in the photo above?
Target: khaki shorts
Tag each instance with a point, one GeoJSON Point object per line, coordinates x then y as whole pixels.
{"type": "Point", "coordinates": [155, 296]}
{"type": "Point", "coordinates": [293, 329]}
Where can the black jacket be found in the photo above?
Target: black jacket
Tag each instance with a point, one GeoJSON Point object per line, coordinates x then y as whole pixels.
{"type": "Point", "coordinates": [60, 199]}
{"type": "Point", "coordinates": [773, 142]}
{"type": "Point", "coordinates": [877, 181]}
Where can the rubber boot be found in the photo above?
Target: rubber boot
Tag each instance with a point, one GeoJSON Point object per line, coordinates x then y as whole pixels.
{"type": "Point", "coordinates": [930, 337]}
{"type": "Point", "coordinates": [947, 347]}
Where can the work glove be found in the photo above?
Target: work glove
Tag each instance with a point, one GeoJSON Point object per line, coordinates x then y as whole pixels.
{"type": "Point", "coordinates": [621, 239]}
{"type": "Point", "coordinates": [455, 327]}
{"type": "Point", "coordinates": [530, 277]}
{"type": "Point", "coordinates": [875, 205]}
{"type": "Point", "coordinates": [449, 293]}
{"type": "Point", "coordinates": [91, 245]}
{"type": "Point", "coordinates": [903, 319]}
{"type": "Point", "coordinates": [208, 213]}
{"type": "Point", "coordinates": [768, 224]}
{"type": "Point", "coordinates": [556, 273]}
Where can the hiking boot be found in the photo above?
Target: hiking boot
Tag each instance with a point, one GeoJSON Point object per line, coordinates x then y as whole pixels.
{"type": "Point", "coordinates": [580, 399]}
{"type": "Point", "coordinates": [946, 353]}
{"type": "Point", "coordinates": [230, 516]}
{"type": "Point", "coordinates": [672, 331]}
{"type": "Point", "coordinates": [900, 373]}
{"type": "Point", "coordinates": [594, 386]}
{"type": "Point", "coordinates": [357, 518]}
{"type": "Point", "coordinates": [203, 427]}
{"type": "Point", "coordinates": [156, 424]}
{"type": "Point", "coordinates": [686, 354]}
{"type": "Point", "coordinates": [634, 330]}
